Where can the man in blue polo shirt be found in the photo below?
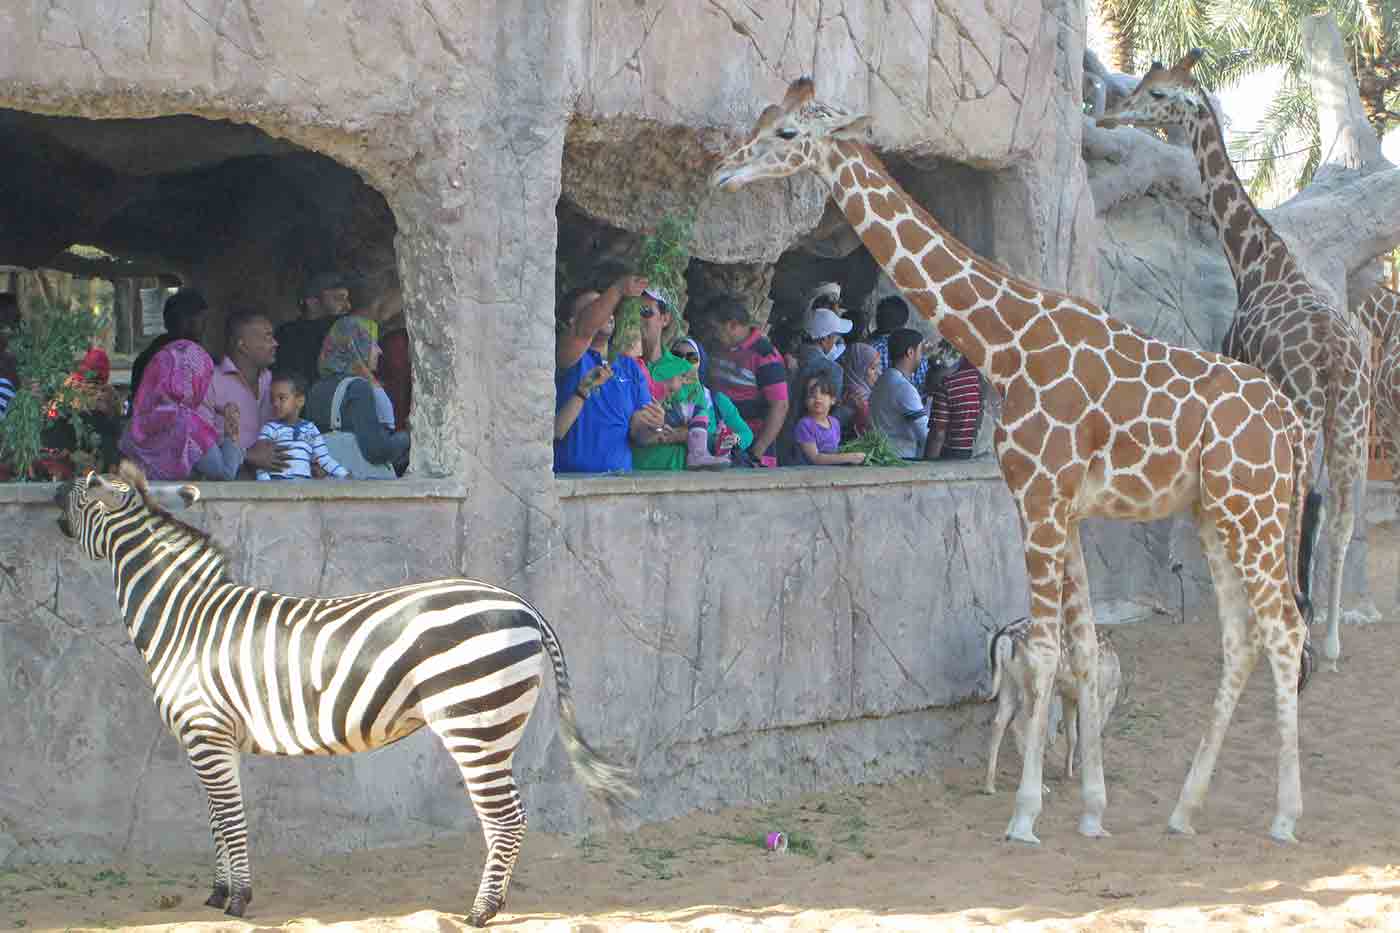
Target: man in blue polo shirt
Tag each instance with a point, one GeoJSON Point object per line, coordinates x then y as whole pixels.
{"type": "Point", "coordinates": [597, 421]}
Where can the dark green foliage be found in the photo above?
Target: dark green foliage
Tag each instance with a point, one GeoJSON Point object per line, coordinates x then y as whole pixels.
{"type": "Point", "coordinates": [47, 345]}
{"type": "Point", "coordinates": [877, 449]}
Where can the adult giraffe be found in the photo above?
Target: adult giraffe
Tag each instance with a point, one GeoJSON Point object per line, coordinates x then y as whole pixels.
{"type": "Point", "coordinates": [1097, 419]}
{"type": "Point", "coordinates": [1282, 324]}
{"type": "Point", "coordinates": [1380, 314]}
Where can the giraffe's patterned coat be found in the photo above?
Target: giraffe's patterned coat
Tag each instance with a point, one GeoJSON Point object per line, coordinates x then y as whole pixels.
{"type": "Point", "coordinates": [1282, 324]}
{"type": "Point", "coordinates": [1380, 314]}
{"type": "Point", "coordinates": [1097, 420]}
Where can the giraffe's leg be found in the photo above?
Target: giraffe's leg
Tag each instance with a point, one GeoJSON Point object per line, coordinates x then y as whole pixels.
{"type": "Point", "coordinates": [1045, 561]}
{"type": "Point", "coordinates": [1238, 658]}
{"type": "Point", "coordinates": [1390, 444]}
{"type": "Point", "coordinates": [1280, 632]}
{"type": "Point", "coordinates": [1345, 458]}
{"type": "Point", "coordinates": [1083, 657]}
{"type": "Point", "coordinates": [1071, 721]}
{"type": "Point", "coordinates": [483, 745]}
{"type": "Point", "coordinates": [1006, 709]}
{"type": "Point", "coordinates": [216, 764]}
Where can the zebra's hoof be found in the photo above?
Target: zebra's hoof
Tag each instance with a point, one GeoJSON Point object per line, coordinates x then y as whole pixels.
{"type": "Point", "coordinates": [481, 914]}
{"type": "Point", "coordinates": [218, 899]}
{"type": "Point", "coordinates": [239, 902]}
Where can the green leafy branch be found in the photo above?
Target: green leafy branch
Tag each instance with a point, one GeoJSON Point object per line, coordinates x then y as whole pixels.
{"type": "Point", "coordinates": [46, 346]}
{"type": "Point", "coordinates": [665, 256]}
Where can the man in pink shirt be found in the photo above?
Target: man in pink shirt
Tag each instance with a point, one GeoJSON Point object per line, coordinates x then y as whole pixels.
{"type": "Point", "coordinates": [244, 377]}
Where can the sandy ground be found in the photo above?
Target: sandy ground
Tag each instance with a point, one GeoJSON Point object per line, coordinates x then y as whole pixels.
{"type": "Point", "coordinates": [919, 855]}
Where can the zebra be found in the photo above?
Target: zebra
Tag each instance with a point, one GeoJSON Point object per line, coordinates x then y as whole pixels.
{"type": "Point", "coordinates": [237, 669]}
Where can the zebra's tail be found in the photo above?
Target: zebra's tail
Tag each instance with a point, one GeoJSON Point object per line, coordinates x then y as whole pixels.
{"type": "Point", "coordinates": [999, 651]}
{"type": "Point", "coordinates": [608, 782]}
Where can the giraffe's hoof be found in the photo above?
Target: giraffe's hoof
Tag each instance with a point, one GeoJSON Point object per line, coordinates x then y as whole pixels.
{"type": "Point", "coordinates": [1180, 828]}
{"type": "Point", "coordinates": [990, 790]}
{"type": "Point", "coordinates": [1282, 830]}
{"type": "Point", "coordinates": [1092, 828]}
{"type": "Point", "coordinates": [219, 898]}
{"type": "Point", "coordinates": [1027, 839]}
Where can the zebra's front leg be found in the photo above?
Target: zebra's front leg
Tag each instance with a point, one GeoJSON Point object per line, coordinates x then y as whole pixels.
{"type": "Point", "coordinates": [217, 769]}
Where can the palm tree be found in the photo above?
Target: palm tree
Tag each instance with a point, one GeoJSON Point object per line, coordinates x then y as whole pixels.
{"type": "Point", "coordinates": [1244, 37]}
{"type": "Point", "coordinates": [1120, 31]}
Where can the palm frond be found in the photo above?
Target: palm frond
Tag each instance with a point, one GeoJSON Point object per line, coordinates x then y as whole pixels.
{"type": "Point", "coordinates": [1289, 123]}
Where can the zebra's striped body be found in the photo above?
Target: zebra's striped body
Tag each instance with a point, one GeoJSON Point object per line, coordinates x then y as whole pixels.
{"type": "Point", "coordinates": [237, 669]}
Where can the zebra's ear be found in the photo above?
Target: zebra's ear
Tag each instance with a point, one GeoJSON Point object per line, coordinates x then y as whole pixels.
{"type": "Point", "coordinates": [174, 498]}
{"type": "Point", "coordinates": [106, 494]}
{"type": "Point", "coordinates": [188, 494]}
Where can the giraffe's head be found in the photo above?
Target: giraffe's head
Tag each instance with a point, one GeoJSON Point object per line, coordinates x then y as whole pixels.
{"type": "Point", "coordinates": [96, 505]}
{"type": "Point", "coordinates": [788, 138]}
{"type": "Point", "coordinates": [1164, 97]}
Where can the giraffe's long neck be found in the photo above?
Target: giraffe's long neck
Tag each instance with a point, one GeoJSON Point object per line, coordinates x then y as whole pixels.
{"type": "Point", "coordinates": [1258, 256]}
{"type": "Point", "coordinates": [977, 306]}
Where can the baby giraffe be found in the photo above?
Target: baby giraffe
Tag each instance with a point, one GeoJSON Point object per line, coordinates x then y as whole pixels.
{"type": "Point", "coordinates": [1011, 688]}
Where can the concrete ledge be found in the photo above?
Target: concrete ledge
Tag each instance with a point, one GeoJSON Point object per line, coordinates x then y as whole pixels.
{"type": "Point", "coordinates": [316, 491]}
{"type": "Point", "coordinates": [578, 485]}
{"type": "Point", "coordinates": [569, 485]}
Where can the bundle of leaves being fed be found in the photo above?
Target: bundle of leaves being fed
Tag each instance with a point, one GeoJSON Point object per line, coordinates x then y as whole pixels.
{"type": "Point", "coordinates": [877, 449]}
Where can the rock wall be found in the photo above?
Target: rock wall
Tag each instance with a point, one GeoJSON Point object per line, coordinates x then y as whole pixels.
{"type": "Point", "coordinates": [733, 638]}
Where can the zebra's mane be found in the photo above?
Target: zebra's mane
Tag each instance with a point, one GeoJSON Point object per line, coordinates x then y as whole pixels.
{"type": "Point", "coordinates": [169, 529]}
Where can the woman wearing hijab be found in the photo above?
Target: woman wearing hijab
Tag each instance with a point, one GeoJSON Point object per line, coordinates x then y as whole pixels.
{"type": "Point", "coordinates": [728, 429]}
{"type": "Point", "coordinates": [169, 437]}
{"type": "Point", "coordinates": [861, 367]}
{"type": "Point", "coordinates": [343, 401]}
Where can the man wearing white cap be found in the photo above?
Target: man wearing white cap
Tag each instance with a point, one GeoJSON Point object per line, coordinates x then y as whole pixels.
{"type": "Point", "coordinates": [824, 295]}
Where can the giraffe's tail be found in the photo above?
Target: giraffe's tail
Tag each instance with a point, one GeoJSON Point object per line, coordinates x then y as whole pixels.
{"type": "Point", "coordinates": [1303, 516]}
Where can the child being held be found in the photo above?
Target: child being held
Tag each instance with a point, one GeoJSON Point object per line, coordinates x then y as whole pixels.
{"type": "Point", "coordinates": [299, 439]}
{"type": "Point", "coordinates": [818, 434]}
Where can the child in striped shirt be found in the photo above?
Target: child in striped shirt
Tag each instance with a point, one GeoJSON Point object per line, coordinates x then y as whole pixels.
{"type": "Point", "coordinates": [299, 439]}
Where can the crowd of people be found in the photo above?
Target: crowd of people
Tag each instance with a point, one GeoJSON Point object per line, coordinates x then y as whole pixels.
{"type": "Point", "coordinates": [326, 395]}
{"type": "Point", "coordinates": [643, 396]}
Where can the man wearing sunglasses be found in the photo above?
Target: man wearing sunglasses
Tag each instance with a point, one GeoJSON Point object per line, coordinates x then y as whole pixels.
{"type": "Point", "coordinates": [658, 312]}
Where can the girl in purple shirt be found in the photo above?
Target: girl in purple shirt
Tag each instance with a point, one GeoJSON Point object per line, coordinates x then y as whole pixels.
{"type": "Point", "coordinates": [819, 434]}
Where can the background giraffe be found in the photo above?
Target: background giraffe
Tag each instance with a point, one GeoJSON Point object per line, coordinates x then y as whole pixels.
{"type": "Point", "coordinates": [1282, 324]}
{"type": "Point", "coordinates": [1380, 314]}
{"type": "Point", "coordinates": [1097, 419]}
